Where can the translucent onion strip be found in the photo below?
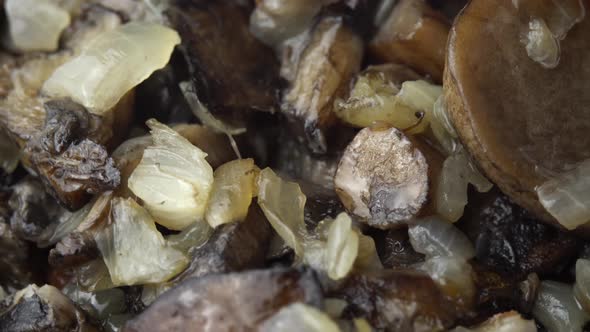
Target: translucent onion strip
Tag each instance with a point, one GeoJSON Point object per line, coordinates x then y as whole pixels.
{"type": "Point", "coordinates": [435, 237]}
{"type": "Point", "coordinates": [341, 248]}
{"type": "Point", "coordinates": [299, 317]}
{"type": "Point", "coordinates": [510, 321]}
{"type": "Point", "coordinates": [35, 25]}
{"type": "Point", "coordinates": [173, 179]}
{"type": "Point", "coordinates": [112, 64]}
{"type": "Point", "coordinates": [133, 249]}
{"type": "Point", "coordinates": [567, 197]}
{"type": "Point", "coordinates": [557, 309]}
{"type": "Point", "coordinates": [582, 285]}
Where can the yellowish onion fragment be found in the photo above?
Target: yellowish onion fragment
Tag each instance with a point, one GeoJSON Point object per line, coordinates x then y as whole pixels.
{"type": "Point", "coordinates": [234, 186]}
{"type": "Point", "coordinates": [301, 318]}
{"type": "Point", "coordinates": [112, 64]}
{"type": "Point", "coordinates": [173, 179]}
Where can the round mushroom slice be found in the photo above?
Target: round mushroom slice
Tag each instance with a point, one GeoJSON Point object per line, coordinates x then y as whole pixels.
{"type": "Point", "coordinates": [382, 178]}
{"type": "Point", "coordinates": [522, 110]}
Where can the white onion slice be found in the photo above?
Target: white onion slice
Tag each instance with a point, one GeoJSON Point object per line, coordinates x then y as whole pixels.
{"type": "Point", "coordinates": [282, 203]}
{"type": "Point", "coordinates": [582, 285]}
{"type": "Point", "coordinates": [557, 309]}
{"type": "Point", "coordinates": [113, 64]}
{"type": "Point", "coordinates": [567, 197]}
{"type": "Point", "coordinates": [173, 178]}
{"type": "Point", "coordinates": [341, 247]}
{"type": "Point", "coordinates": [541, 46]}
{"type": "Point", "coordinates": [453, 277]}
{"type": "Point", "coordinates": [35, 25]}
{"type": "Point", "coordinates": [299, 317]}
{"type": "Point", "coordinates": [133, 249]}
{"type": "Point", "coordinates": [435, 237]}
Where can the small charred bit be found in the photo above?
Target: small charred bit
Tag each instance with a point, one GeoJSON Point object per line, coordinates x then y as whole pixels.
{"type": "Point", "coordinates": [511, 241]}
{"type": "Point", "coordinates": [230, 68]}
{"type": "Point", "coordinates": [228, 302]}
{"type": "Point", "coordinates": [66, 156]}
{"type": "Point", "coordinates": [395, 250]}
{"type": "Point", "coordinates": [42, 309]}
{"type": "Point", "coordinates": [397, 301]}
{"type": "Point", "coordinates": [232, 247]}
{"type": "Point", "coordinates": [484, 83]}
{"type": "Point", "coordinates": [36, 213]}
{"type": "Point", "coordinates": [450, 8]}
{"type": "Point", "coordinates": [414, 34]}
{"type": "Point", "coordinates": [384, 178]}
{"type": "Point", "coordinates": [327, 60]}
{"type": "Point", "coordinates": [320, 204]}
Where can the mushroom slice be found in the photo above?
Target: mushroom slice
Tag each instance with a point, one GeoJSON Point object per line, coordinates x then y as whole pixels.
{"type": "Point", "coordinates": [414, 34]}
{"type": "Point", "coordinates": [228, 302]}
{"type": "Point", "coordinates": [397, 301]}
{"type": "Point", "coordinates": [332, 55]}
{"type": "Point", "coordinates": [523, 123]}
{"type": "Point", "coordinates": [42, 309]}
{"type": "Point", "coordinates": [383, 177]}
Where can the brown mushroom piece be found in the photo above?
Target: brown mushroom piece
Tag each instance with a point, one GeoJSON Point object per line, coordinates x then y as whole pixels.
{"type": "Point", "coordinates": [385, 178]}
{"type": "Point", "coordinates": [414, 34]}
{"type": "Point", "coordinates": [326, 62]}
{"type": "Point", "coordinates": [42, 309]}
{"type": "Point", "coordinates": [397, 301]}
{"type": "Point", "coordinates": [228, 302]}
{"type": "Point", "coordinates": [230, 68]}
{"type": "Point", "coordinates": [522, 121]}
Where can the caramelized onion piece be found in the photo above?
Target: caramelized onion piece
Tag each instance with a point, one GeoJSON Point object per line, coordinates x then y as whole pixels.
{"type": "Point", "coordinates": [120, 59]}
{"type": "Point", "coordinates": [299, 317]}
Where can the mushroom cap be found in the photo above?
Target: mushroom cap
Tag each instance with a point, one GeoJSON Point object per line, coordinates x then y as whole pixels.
{"type": "Point", "coordinates": [522, 122]}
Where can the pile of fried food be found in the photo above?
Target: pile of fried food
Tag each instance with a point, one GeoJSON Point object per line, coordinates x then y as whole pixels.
{"type": "Point", "coordinates": [295, 165]}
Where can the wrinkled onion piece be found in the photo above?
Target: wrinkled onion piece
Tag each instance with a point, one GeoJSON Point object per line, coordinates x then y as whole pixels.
{"type": "Point", "coordinates": [582, 285]}
{"type": "Point", "coordinates": [35, 25]}
{"type": "Point", "coordinates": [435, 237]}
{"type": "Point", "coordinates": [374, 99]}
{"type": "Point", "coordinates": [282, 203]}
{"type": "Point", "coordinates": [567, 197]}
{"type": "Point", "coordinates": [341, 247]}
{"type": "Point", "coordinates": [299, 317]}
{"type": "Point", "coordinates": [113, 64]}
{"type": "Point", "coordinates": [510, 321]}
{"type": "Point", "coordinates": [367, 258]}
{"type": "Point", "coordinates": [451, 194]}
{"type": "Point", "coordinates": [453, 277]}
{"type": "Point", "coordinates": [442, 128]}
{"type": "Point", "coordinates": [557, 309]}
{"type": "Point", "coordinates": [100, 304]}
{"type": "Point", "coordinates": [234, 186]}
{"type": "Point", "coordinates": [133, 249]}
{"type": "Point", "coordinates": [173, 179]}
{"type": "Point", "coordinates": [93, 276]}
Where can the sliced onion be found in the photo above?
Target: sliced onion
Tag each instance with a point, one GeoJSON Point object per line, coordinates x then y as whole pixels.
{"type": "Point", "coordinates": [67, 223]}
{"type": "Point", "coordinates": [420, 96]}
{"type": "Point", "coordinates": [133, 249]}
{"type": "Point", "coordinates": [510, 321]}
{"type": "Point", "coordinates": [113, 64]}
{"type": "Point", "coordinates": [453, 277]}
{"type": "Point", "coordinates": [367, 258]}
{"type": "Point", "coordinates": [435, 237]}
{"type": "Point", "coordinates": [282, 203]}
{"type": "Point", "coordinates": [234, 186]}
{"type": "Point", "coordinates": [341, 248]}
{"type": "Point", "coordinates": [442, 128]}
{"type": "Point", "coordinates": [173, 179]}
{"type": "Point", "coordinates": [35, 25]}
{"type": "Point", "coordinates": [557, 309]}
{"type": "Point", "coordinates": [567, 197]}
{"type": "Point", "coordinates": [100, 304]}
{"type": "Point", "coordinates": [299, 317]}
{"type": "Point", "coordinates": [451, 193]}
{"type": "Point", "coordinates": [541, 46]}
{"type": "Point", "coordinates": [582, 285]}
{"type": "Point", "coordinates": [93, 276]}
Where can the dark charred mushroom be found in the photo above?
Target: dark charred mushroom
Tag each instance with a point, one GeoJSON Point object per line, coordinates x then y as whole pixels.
{"type": "Point", "coordinates": [522, 121]}
{"type": "Point", "coordinates": [228, 302]}
{"type": "Point", "coordinates": [328, 59]}
{"type": "Point", "coordinates": [384, 177]}
{"type": "Point", "coordinates": [42, 309]}
{"type": "Point", "coordinates": [231, 69]}
{"type": "Point", "coordinates": [414, 34]}
{"type": "Point", "coordinates": [397, 301]}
